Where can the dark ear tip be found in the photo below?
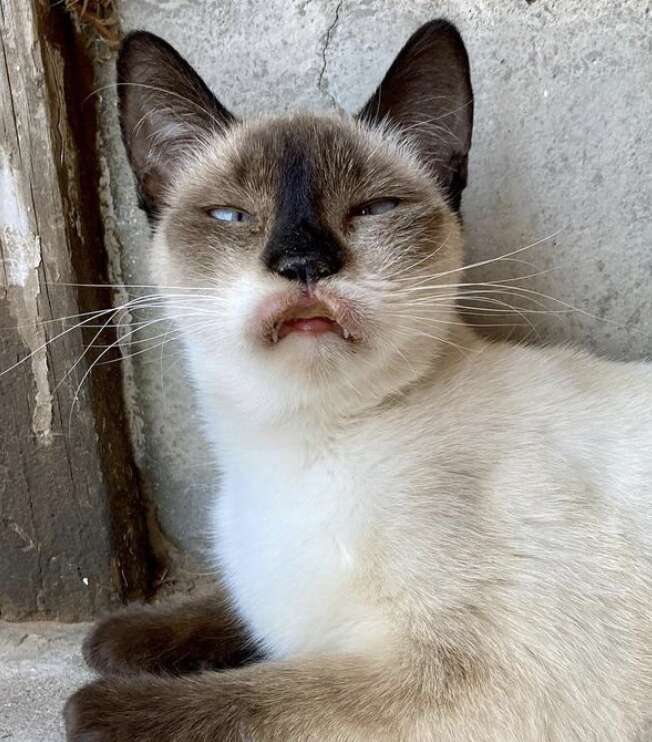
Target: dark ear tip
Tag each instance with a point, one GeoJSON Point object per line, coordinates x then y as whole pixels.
{"type": "Point", "coordinates": [439, 29]}
{"type": "Point", "coordinates": [440, 26]}
{"type": "Point", "coordinates": [140, 39]}
{"type": "Point", "coordinates": [141, 45]}
{"type": "Point", "coordinates": [135, 41]}
{"type": "Point", "coordinates": [132, 45]}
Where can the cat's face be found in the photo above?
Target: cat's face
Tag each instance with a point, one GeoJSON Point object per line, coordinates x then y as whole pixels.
{"type": "Point", "coordinates": [311, 245]}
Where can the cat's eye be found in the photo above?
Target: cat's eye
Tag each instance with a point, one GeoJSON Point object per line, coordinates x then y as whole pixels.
{"type": "Point", "coordinates": [375, 208]}
{"type": "Point", "coordinates": [230, 214]}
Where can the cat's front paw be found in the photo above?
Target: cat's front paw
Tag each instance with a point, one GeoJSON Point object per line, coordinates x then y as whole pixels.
{"type": "Point", "coordinates": [169, 640]}
{"type": "Point", "coordinates": [144, 640]}
{"type": "Point", "coordinates": [147, 708]}
{"type": "Point", "coordinates": [88, 715]}
{"type": "Point", "coordinates": [116, 710]}
{"type": "Point", "coordinates": [128, 642]}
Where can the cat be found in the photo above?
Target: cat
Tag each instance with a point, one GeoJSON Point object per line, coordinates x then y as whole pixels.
{"type": "Point", "coordinates": [423, 535]}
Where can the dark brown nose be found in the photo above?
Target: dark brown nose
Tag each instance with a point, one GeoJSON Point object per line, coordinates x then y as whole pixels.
{"type": "Point", "coordinates": [307, 267]}
{"type": "Point", "coordinates": [304, 252]}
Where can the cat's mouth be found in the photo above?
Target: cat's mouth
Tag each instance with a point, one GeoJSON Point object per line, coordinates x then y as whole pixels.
{"type": "Point", "coordinates": [313, 321]}
{"type": "Point", "coordinates": [309, 316]}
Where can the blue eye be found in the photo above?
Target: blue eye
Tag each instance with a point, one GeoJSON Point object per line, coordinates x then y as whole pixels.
{"type": "Point", "coordinates": [375, 208]}
{"type": "Point", "coordinates": [229, 214]}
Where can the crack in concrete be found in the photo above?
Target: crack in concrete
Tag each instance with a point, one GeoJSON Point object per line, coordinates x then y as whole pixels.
{"type": "Point", "coordinates": [323, 83]}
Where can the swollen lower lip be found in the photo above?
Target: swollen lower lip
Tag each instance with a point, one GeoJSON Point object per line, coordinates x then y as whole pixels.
{"type": "Point", "coordinates": [308, 326]}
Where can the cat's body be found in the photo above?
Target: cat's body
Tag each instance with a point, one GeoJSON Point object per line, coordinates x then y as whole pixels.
{"type": "Point", "coordinates": [492, 485]}
{"type": "Point", "coordinates": [522, 482]}
{"type": "Point", "coordinates": [428, 536]}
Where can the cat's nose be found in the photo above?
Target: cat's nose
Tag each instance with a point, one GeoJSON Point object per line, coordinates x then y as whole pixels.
{"type": "Point", "coordinates": [303, 251]}
{"type": "Point", "coordinates": [308, 268]}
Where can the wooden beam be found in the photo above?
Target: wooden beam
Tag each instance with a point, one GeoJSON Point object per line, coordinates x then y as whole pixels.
{"type": "Point", "coordinates": [73, 535]}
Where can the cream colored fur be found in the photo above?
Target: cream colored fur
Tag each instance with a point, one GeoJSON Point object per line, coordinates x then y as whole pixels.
{"type": "Point", "coordinates": [434, 538]}
{"type": "Point", "coordinates": [503, 511]}
{"type": "Point", "coordinates": [476, 519]}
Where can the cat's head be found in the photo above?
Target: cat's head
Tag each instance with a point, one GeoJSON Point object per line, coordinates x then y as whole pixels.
{"type": "Point", "coordinates": [308, 259]}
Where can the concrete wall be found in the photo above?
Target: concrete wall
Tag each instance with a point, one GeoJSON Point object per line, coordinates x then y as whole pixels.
{"type": "Point", "coordinates": [561, 151]}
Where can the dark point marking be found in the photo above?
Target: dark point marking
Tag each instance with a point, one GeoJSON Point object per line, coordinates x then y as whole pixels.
{"type": "Point", "coordinates": [301, 247]}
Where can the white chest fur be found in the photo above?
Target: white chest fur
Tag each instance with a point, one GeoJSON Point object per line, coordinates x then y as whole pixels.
{"type": "Point", "coordinates": [537, 452]}
{"type": "Point", "coordinates": [293, 527]}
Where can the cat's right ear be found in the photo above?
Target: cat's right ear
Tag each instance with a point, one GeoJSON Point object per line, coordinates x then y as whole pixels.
{"type": "Point", "coordinates": [427, 96]}
{"type": "Point", "coordinates": [165, 108]}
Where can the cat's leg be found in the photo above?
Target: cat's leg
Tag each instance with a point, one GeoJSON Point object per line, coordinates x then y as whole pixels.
{"type": "Point", "coordinates": [326, 699]}
{"type": "Point", "coordinates": [186, 637]}
{"type": "Point", "coordinates": [322, 699]}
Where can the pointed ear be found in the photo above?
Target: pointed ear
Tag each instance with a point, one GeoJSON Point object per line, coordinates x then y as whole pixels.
{"type": "Point", "coordinates": [165, 107]}
{"type": "Point", "coordinates": [427, 94]}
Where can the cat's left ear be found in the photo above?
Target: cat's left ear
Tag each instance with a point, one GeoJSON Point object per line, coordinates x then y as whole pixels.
{"type": "Point", "coordinates": [165, 110]}
{"type": "Point", "coordinates": [427, 95]}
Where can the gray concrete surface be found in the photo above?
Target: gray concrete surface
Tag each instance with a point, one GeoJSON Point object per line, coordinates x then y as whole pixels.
{"type": "Point", "coordinates": [561, 151]}
{"type": "Point", "coordinates": [40, 665]}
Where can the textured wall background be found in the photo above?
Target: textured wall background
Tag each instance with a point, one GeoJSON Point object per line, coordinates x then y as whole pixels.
{"type": "Point", "coordinates": [562, 147]}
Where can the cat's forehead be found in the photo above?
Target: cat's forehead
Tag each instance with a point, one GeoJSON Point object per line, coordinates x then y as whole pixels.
{"type": "Point", "coordinates": [312, 154]}
{"type": "Point", "coordinates": [309, 136]}
{"type": "Point", "coordinates": [305, 149]}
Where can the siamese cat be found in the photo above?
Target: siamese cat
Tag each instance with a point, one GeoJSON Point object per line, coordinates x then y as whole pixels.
{"type": "Point", "coordinates": [422, 535]}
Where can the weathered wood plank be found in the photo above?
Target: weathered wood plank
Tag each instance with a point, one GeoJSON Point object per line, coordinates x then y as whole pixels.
{"type": "Point", "coordinates": [72, 523]}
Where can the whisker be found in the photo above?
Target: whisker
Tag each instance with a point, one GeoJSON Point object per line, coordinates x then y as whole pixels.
{"type": "Point", "coordinates": [97, 360]}
{"type": "Point", "coordinates": [412, 266]}
{"type": "Point", "coordinates": [130, 286]}
{"type": "Point", "coordinates": [427, 318]}
{"type": "Point", "coordinates": [145, 302]}
{"type": "Point", "coordinates": [460, 348]}
{"type": "Point", "coordinates": [510, 279]}
{"type": "Point", "coordinates": [163, 339]}
{"type": "Point", "coordinates": [499, 258]}
{"type": "Point", "coordinates": [156, 89]}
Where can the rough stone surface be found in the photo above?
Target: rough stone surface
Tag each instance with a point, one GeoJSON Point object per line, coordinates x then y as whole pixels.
{"type": "Point", "coordinates": [561, 157]}
{"type": "Point", "coordinates": [40, 665]}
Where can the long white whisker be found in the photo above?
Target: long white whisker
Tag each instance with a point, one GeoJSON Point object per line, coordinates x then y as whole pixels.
{"type": "Point", "coordinates": [503, 257]}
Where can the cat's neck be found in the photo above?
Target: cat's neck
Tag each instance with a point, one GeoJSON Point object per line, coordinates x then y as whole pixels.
{"type": "Point", "coordinates": [345, 409]}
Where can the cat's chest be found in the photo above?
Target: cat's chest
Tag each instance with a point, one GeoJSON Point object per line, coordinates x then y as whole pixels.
{"type": "Point", "coordinates": [294, 538]}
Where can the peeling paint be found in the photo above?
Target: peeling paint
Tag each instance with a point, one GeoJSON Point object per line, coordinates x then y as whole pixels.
{"type": "Point", "coordinates": [23, 306]}
{"type": "Point", "coordinates": [20, 253]}
{"type": "Point", "coordinates": [20, 249]}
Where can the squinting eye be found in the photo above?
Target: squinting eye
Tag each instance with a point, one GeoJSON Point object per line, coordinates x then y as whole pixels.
{"type": "Point", "coordinates": [229, 214]}
{"type": "Point", "coordinates": [374, 208]}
